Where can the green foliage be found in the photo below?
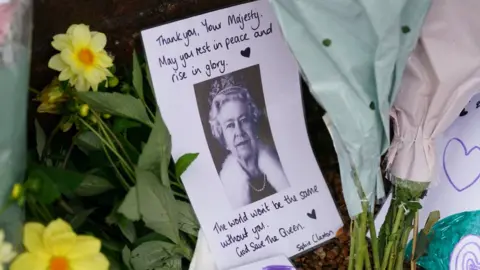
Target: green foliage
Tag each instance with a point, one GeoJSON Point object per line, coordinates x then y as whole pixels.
{"type": "Point", "coordinates": [116, 104]}
{"type": "Point", "coordinates": [113, 179]}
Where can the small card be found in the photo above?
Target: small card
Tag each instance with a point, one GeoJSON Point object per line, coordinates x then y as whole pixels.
{"type": "Point", "coordinates": [273, 263]}
{"type": "Point", "coordinates": [228, 88]}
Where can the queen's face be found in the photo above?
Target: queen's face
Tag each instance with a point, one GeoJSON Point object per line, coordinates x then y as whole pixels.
{"type": "Point", "coordinates": [238, 129]}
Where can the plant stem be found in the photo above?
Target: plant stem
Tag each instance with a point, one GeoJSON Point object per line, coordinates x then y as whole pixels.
{"type": "Point", "coordinates": [398, 219]}
{"type": "Point", "coordinates": [353, 235]}
{"type": "Point", "coordinates": [368, 264]}
{"type": "Point", "coordinates": [413, 263]}
{"type": "Point", "coordinates": [403, 244]}
{"type": "Point", "coordinates": [120, 176]}
{"type": "Point", "coordinates": [49, 141]}
{"type": "Point", "coordinates": [69, 152]}
{"type": "Point", "coordinates": [111, 147]}
{"type": "Point", "coordinates": [374, 241]}
{"type": "Point", "coordinates": [361, 241]}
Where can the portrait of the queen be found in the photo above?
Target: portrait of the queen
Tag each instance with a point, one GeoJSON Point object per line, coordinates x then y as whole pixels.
{"type": "Point", "coordinates": [249, 166]}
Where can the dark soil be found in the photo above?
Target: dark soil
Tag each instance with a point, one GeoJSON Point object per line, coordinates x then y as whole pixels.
{"type": "Point", "coordinates": [122, 20]}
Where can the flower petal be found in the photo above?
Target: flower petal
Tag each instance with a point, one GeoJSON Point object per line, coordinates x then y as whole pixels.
{"type": "Point", "coordinates": [6, 252]}
{"type": "Point", "coordinates": [61, 42]}
{"type": "Point", "coordinates": [56, 63]}
{"type": "Point", "coordinates": [81, 84]}
{"type": "Point", "coordinates": [98, 42]}
{"type": "Point", "coordinates": [71, 28]}
{"type": "Point", "coordinates": [95, 262]}
{"type": "Point", "coordinates": [85, 246]}
{"type": "Point", "coordinates": [33, 236]}
{"type": "Point", "coordinates": [31, 261]}
{"type": "Point", "coordinates": [102, 59]}
{"type": "Point", "coordinates": [81, 37]}
{"type": "Point", "coordinates": [71, 60]}
{"type": "Point", "coordinates": [59, 238]}
{"type": "Point", "coordinates": [65, 74]}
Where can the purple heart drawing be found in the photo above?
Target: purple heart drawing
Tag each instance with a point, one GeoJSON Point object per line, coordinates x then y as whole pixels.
{"type": "Point", "coordinates": [459, 184]}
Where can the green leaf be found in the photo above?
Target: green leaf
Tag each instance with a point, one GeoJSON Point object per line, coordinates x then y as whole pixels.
{"type": "Point", "coordinates": [413, 206]}
{"type": "Point", "coordinates": [153, 236]}
{"type": "Point", "coordinates": [422, 245]}
{"type": "Point", "coordinates": [184, 162]}
{"type": "Point", "coordinates": [40, 137]}
{"type": "Point", "coordinates": [433, 217]}
{"type": "Point", "coordinates": [153, 255]}
{"type": "Point", "coordinates": [187, 222]}
{"type": "Point", "coordinates": [93, 185]}
{"type": "Point", "coordinates": [137, 76]}
{"type": "Point", "coordinates": [88, 141]}
{"type": "Point", "coordinates": [157, 205]}
{"type": "Point", "coordinates": [47, 192]}
{"type": "Point", "coordinates": [116, 104]}
{"type": "Point", "coordinates": [128, 229]}
{"type": "Point", "coordinates": [80, 218]}
{"type": "Point", "coordinates": [53, 181]}
{"type": "Point", "coordinates": [156, 154]}
{"type": "Point", "coordinates": [149, 78]}
{"type": "Point", "coordinates": [112, 245]}
{"type": "Point", "coordinates": [126, 255]}
{"type": "Point", "coordinates": [129, 207]}
{"type": "Point", "coordinates": [121, 124]}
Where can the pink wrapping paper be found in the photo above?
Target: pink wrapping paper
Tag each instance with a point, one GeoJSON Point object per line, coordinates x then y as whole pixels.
{"type": "Point", "coordinates": [442, 74]}
{"type": "Point", "coordinates": [6, 12]}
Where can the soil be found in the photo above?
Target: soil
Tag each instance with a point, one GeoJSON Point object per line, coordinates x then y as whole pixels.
{"type": "Point", "coordinates": [122, 20]}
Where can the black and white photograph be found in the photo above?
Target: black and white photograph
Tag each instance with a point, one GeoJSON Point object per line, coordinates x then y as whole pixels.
{"type": "Point", "coordinates": [235, 122]}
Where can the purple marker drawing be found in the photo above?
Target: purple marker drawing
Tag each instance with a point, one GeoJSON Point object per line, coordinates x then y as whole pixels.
{"type": "Point", "coordinates": [466, 153]}
{"type": "Point", "coordinates": [466, 254]}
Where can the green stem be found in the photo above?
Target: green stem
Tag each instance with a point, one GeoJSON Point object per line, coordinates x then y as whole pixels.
{"type": "Point", "coordinates": [123, 181]}
{"type": "Point", "coordinates": [152, 115]}
{"type": "Point", "coordinates": [398, 219]}
{"type": "Point", "coordinates": [403, 244]}
{"type": "Point", "coordinates": [368, 264]}
{"type": "Point", "coordinates": [69, 152]}
{"type": "Point", "coordinates": [49, 141]}
{"type": "Point", "coordinates": [353, 234]}
{"type": "Point", "coordinates": [361, 241]}
{"type": "Point", "coordinates": [6, 206]}
{"type": "Point", "coordinates": [108, 132]}
{"type": "Point", "coordinates": [374, 240]}
{"type": "Point", "coordinates": [111, 148]}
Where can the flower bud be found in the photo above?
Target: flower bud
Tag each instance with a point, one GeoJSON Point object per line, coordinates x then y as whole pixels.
{"type": "Point", "coordinates": [83, 110]}
{"type": "Point", "coordinates": [107, 116]}
{"type": "Point", "coordinates": [17, 191]}
{"type": "Point", "coordinates": [113, 81]}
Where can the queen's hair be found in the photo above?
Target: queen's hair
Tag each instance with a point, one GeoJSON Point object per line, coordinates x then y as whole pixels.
{"type": "Point", "coordinates": [219, 96]}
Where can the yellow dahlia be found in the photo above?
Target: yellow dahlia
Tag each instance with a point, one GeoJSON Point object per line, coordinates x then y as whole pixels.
{"type": "Point", "coordinates": [57, 247]}
{"type": "Point", "coordinates": [82, 59]}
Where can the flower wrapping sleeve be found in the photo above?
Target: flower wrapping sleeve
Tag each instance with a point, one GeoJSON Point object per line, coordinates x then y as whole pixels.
{"type": "Point", "coordinates": [15, 39]}
{"type": "Point", "coordinates": [442, 75]}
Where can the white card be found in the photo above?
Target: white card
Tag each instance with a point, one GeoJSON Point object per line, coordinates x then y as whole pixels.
{"type": "Point", "coordinates": [256, 187]}
{"type": "Point", "coordinates": [457, 187]}
{"type": "Point", "coordinates": [273, 263]}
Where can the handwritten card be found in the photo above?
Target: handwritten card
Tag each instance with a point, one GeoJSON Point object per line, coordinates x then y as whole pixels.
{"type": "Point", "coordinates": [228, 88]}
{"type": "Point", "coordinates": [273, 263]}
{"type": "Point", "coordinates": [457, 186]}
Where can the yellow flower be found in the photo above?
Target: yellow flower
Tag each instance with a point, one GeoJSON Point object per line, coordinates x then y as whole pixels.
{"type": "Point", "coordinates": [57, 247]}
{"type": "Point", "coordinates": [51, 97]}
{"type": "Point", "coordinates": [6, 251]}
{"type": "Point", "coordinates": [82, 59]}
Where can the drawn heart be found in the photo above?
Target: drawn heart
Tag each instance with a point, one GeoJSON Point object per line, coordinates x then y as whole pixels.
{"type": "Point", "coordinates": [466, 254]}
{"type": "Point", "coordinates": [312, 214]}
{"type": "Point", "coordinates": [461, 164]}
{"type": "Point", "coordinates": [246, 52]}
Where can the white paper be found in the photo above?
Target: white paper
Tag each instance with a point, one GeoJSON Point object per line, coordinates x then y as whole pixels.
{"type": "Point", "coordinates": [466, 254]}
{"type": "Point", "coordinates": [274, 263]}
{"type": "Point", "coordinates": [458, 175]}
{"type": "Point", "coordinates": [272, 79]}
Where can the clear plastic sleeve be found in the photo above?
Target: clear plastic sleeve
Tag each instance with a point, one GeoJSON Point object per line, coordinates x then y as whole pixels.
{"type": "Point", "coordinates": [15, 40]}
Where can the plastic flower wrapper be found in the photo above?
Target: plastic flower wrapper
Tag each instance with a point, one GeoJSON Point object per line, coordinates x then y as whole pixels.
{"type": "Point", "coordinates": [442, 75]}
{"type": "Point", "coordinates": [15, 36]}
{"type": "Point", "coordinates": [352, 54]}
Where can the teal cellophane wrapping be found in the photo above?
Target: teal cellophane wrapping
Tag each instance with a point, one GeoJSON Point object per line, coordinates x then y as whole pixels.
{"type": "Point", "coordinates": [444, 235]}
{"type": "Point", "coordinates": [352, 55]}
{"type": "Point", "coordinates": [14, 81]}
